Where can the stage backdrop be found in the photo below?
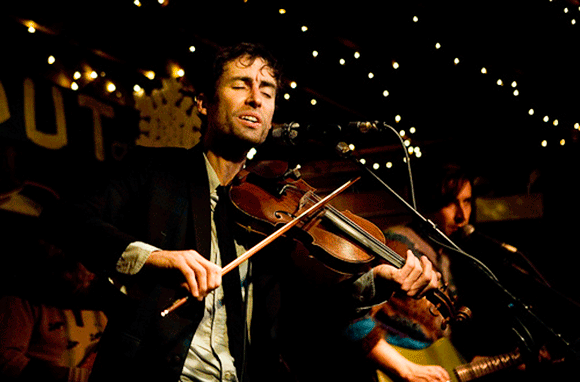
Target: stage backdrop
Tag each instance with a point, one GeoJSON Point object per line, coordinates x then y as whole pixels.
{"type": "Point", "coordinates": [52, 137]}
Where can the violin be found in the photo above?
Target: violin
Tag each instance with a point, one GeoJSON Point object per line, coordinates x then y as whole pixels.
{"type": "Point", "coordinates": [269, 195]}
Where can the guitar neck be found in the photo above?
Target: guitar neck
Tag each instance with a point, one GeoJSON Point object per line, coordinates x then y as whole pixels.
{"type": "Point", "coordinates": [487, 365]}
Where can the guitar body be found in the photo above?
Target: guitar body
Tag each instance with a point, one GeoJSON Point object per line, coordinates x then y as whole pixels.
{"type": "Point", "coordinates": [441, 352]}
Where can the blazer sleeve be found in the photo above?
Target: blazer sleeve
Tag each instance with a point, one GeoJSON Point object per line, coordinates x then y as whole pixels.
{"type": "Point", "coordinates": [98, 227]}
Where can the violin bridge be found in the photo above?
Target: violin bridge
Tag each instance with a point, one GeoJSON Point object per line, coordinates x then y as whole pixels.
{"type": "Point", "coordinates": [304, 200]}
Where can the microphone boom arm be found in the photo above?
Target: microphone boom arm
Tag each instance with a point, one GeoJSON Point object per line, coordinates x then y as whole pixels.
{"type": "Point", "coordinates": [514, 304]}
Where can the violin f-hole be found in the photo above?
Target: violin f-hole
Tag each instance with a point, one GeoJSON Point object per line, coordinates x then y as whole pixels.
{"type": "Point", "coordinates": [278, 214]}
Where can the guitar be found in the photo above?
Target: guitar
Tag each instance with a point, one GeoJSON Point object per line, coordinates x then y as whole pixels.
{"type": "Point", "coordinates": [444, 354]}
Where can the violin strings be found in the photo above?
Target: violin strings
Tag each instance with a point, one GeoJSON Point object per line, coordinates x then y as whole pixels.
{"type": "Point", "coordinates": [395, 258]}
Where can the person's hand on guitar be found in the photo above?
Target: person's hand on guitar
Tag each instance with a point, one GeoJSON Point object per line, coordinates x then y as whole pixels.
{"type": "Point", "coordinates": [399, 368]}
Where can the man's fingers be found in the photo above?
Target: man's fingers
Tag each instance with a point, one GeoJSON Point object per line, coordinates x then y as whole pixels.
{"type": "Point", "coordinates": [201, 275]}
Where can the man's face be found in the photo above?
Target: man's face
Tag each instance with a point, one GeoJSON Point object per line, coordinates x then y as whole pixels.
{"type": "Point", "coordinates": [244, 102]}
{"type": "Point", "coordinates": [457, 213]}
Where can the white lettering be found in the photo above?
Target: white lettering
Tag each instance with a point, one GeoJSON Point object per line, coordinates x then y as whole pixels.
{"type": "Point", "coordinates": [98, 109]}
{"type": "Point", "coordinates": [49, 141]}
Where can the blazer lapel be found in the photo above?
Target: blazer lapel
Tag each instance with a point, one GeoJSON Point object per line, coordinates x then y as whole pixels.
{"type": "Point", "coordinates": [200, 202]}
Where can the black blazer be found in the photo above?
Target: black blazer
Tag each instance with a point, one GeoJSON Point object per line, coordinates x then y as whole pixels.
{"type": "Point", "coordinates": [161, 197]}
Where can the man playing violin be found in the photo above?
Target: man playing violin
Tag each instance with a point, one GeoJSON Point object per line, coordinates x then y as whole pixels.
{"type": "Point", "coordinates": [153, 225]}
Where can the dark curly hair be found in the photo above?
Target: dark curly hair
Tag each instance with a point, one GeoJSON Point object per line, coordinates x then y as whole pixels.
{"type": "Point", "coordinates": [228, 54]}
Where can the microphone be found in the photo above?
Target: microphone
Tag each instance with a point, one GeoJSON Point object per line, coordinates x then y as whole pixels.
{"type": "Point", "coordinates": [285, 133]}
{"type": "Point", "coordinates": [469, 230]}
{"type": "Point", "coordinates": [292, 133]}
{"type": "Point", "coordinates": [364, 126]}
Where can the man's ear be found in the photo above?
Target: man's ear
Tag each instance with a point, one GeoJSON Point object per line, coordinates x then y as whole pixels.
{"type": "Point", "coordinates": [201, 102]}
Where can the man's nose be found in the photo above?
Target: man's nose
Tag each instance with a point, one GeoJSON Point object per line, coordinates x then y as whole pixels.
{"type": "Point", "coordinates": [254, 97]}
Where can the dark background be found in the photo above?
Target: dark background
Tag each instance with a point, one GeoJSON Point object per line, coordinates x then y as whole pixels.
{"type": "Point", "coordinates": [459, 113]}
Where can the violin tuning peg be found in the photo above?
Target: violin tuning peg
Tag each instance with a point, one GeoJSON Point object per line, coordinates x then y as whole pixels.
{"type": "Point", "coordinates": [294, 173]}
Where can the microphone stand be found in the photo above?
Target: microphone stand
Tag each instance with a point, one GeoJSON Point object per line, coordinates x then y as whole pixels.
{"type": "Point", "coordinates": [513, 303]}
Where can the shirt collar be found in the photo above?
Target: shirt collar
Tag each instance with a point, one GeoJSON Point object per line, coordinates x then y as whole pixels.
{"type": "Point", "coordinates": [214, 181]}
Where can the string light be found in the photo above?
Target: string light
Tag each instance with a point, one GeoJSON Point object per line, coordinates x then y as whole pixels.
{"type": "Point", "coordinates": [180, 73]}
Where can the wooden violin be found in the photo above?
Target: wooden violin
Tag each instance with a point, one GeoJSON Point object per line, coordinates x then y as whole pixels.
{"type": "Point", "coordinates": [270, 195]}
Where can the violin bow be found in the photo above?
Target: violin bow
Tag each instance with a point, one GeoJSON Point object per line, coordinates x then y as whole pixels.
{"type": "Point", "coordinates": [282, 230]}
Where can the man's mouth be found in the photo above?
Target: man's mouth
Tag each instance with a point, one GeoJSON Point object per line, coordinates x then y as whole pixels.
{"type": "Point", "coordinates": [250, 118]}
